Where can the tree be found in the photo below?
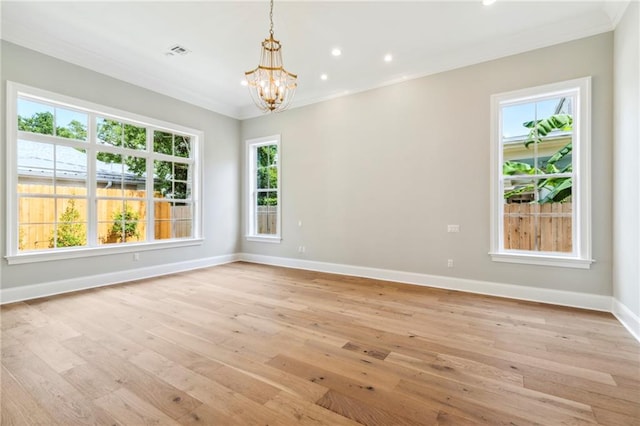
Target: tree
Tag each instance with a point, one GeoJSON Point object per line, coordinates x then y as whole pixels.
{"type": "Point", "coordinates": [42, 123]}
{"type": "Point", "coordinates": [125, 225]}
{"type": "Point", "coordinates": [70, 231]}
{"type": "Point", "coordinates": [267, 174]}
{"type": "Point", "coordinates": [558, 189]}
{"type": "Point", "coordinates": [165, 172]}
{"type": "Point", "coordinates": [124, 135]}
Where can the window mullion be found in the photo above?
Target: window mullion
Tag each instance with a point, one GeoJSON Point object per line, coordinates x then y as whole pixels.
{"type": "Point", "coordinates": [150, 221]}
{"type": "Point", "coordinates": [92, 184]}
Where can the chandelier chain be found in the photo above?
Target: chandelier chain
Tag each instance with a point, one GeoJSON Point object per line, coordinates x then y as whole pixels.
{"type": "Point", "coordinates": [271, 19]}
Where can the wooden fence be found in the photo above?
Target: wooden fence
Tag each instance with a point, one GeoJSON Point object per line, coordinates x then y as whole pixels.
{"type": "Point", "coordinates": [37, 215]}
{"type": "Point", "coordinates": [539, 227]}
{"type": "Point", "coordinates": [267, 219]}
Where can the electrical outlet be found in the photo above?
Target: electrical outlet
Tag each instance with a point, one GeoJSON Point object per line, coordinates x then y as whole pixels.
{"type": "Point", "coordinates": [453, 228]}
{"type": "Point", "coordinates": [136, 257]}
{"type": "Point", "coordinates": [449, 263]}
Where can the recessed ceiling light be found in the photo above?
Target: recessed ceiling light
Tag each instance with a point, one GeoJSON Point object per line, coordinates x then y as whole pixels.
{"type": "Point", "coordinates": [336, 52]}
{"type": "Point", "coordinates": [244, 83]}
{"type": "Point", "coordinates": [324, 77]}
{"type": "Point", "coordinates": [488, 2]}
{"type": "Point", "coordinates": [388, 57]}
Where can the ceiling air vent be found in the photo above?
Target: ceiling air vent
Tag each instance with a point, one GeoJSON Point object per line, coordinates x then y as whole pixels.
{"type": "Point", "coordinates": [177, 50]}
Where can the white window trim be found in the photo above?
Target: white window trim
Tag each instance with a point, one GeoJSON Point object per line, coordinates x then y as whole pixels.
{"type": "Point", "coordinates": [581, 256]}
{"type": "Point", "coordinates": [14, 90]}
{"type": "Point", "coordinates": [251, 234]}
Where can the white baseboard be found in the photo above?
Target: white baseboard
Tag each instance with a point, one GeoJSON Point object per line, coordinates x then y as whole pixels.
{"type": "Point", "coordinates": [17, 294]}
{"type": "Point", "coordinates": [533, 294]}
{"type": "Point", "coordinates": [630, 320]}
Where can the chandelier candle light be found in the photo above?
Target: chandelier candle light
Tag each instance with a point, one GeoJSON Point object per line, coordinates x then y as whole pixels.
{"type": "Point", "coordinates": [271, 86]}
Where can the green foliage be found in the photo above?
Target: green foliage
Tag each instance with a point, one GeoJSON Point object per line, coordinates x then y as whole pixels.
{"type": "Point", "coordinates": [267, 174]}
{"type": "Point", "coordinates": [21, 239]}
{"type": "Point", "coordinates": [267, 201]}
{"type": "Point", "coordinates": [42, 123]}
{"type": "Point", "coordinates": [267, 177]}
{"type": "Point", "coordinates": [124, 135]}
{"type": "Point", "coordinates": [165, 172]}
{"type": "Point", "coordinates": [115, 133]}
{"type": "Point", "coordinates": [541, 128]}
{"type": "Point", "coordinates": [70, 232]}
{"type": "Point", "coordinates": [556, 190]}
{"type": "Point", "coordinates": [125, 225]}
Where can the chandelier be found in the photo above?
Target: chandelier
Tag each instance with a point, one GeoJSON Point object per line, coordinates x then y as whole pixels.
{"type": "Point", "coordinates": [271, 86]}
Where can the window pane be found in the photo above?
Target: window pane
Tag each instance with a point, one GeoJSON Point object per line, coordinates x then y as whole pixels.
{"type": "Point", "coordinates": [539, 226]}
{"type": "Point", "coordinates": [556, 227]}
{"type": "Point", "coordinates": [267, 212]}
{"type": "Point", "coordinates": [163, 143]}
{"type": "Point", "coordinates": [120, 176]}
{"type": "Point", "coordinates": [520, 226]}
{"type": "Point", "coordinates": [71, 124]}
{"type": "Point", "coordinates": [71, 226]}
{"type": "Point", "coordinates": [181, 215]}
{"type": "Point", "coordinates": [162, 222]}
{"type": "Point", "coordinates": [35, 167]}
{"type": "Point", "coordinates": [109, 131]}
{"type": "Point", "coordinates": [555, 190]}
{"type": "Point", "coordinates": [546, 145]}
{"type": "Point", "coordinates": [514, 117]}
{"type": "Point", "coordinates": [183, 146]}
{"type": "Point", "coordinates": [520, 190]}
{"type": "Point", "coordinates": [34, 236]}
{"type": "Point", "coordinates": [267, 177]}
{"type": "Point", "coordinates": [181, 171]}
{"type": "Point", "coordinates": [173, 220]}
{"type": "Point", "coordinates": [134, 177]}
{"type": "Point", "coordinates": [267, 155]}
{"type": "Point", "coordinates": [109, 172]}
{"type": "Point", "coordinates": [35, 117]}
{"type": "Point", "coordinates": [163, 182]}
{"type": "Point", "coordinates": [70, 170]}
{"type": "Point", "coordinates": [121, 221]}
{"type": "Point", "coordinates": [36, 210]}
{"type": "Point", "coordinates": [181, 191]}
{"type": "Point", "coordinates": [135, 137]}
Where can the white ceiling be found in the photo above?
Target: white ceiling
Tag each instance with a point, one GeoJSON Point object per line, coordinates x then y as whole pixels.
{"type": "Point", "coordinates": [128, 40]}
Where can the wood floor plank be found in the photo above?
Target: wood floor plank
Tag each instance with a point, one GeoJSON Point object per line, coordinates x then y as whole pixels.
{"type": "Point", "coordinates": [307, 413]}
{"type": "Point", "coordinates": [248, 344]}
{"type": "Point", "coordinates": [129, 409]}
{"type": "Point", "coordinates": [18, 407]}
{"type": "Point", "coordinates": [360, 392]}
{"type": "Point", "coordinates": [363, 413]}
{"type": "Point", "coordinates": [60, 399]}
{"type": "Point", "coordinates": [171, 401]}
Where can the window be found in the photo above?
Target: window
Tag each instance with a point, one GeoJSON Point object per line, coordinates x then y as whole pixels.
{"type": "Point", "coordinates": [85, 179]}
{"type": "Point", "coordinates": [263, 166]}
{"type": "Point", "coordinates": [540, 146]}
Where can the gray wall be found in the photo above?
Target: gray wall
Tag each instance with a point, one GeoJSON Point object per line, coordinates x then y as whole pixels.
{"type": "Point", "coordinates": [626, 183]}
{"type": "Point", "coordinates": [376, 177]}
{"type": "Point", "coordinates": [221, 160]}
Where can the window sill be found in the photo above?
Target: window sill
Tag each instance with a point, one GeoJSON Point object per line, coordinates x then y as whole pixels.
{"type": "Point", "coordinates": [264, 239]}
{"type": "Point", "coordinates": [77, 253]}
{"type": "Point", "coordinates": [543, 260]}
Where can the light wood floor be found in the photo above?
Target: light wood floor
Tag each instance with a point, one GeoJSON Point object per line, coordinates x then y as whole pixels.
{"type": "Point", "coordinates": [245, 344]}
